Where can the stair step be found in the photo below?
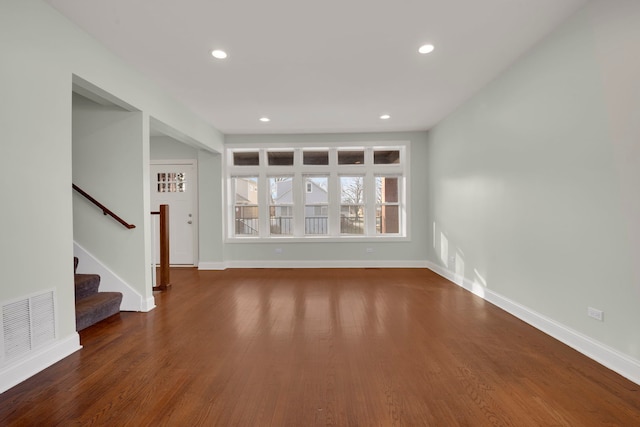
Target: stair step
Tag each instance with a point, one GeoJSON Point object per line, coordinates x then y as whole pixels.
{"type": "Point", "coordinates": [94, 308]}
{"type": "Point", "coordinates": [86, 285]}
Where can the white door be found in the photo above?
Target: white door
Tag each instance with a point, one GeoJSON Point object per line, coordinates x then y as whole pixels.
{"type": "Point", "coordinates": [174, 184]}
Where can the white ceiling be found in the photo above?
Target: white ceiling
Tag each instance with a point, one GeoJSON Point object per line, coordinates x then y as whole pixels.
{"type": "Point", "coordinates": [319, 66]}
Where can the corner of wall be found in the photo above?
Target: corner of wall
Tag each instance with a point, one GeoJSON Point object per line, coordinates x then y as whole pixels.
{"type": "Point", "coordinates": [601, 353]}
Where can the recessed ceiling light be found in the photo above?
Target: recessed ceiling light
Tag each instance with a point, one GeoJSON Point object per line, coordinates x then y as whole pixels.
{"type": "Point", "coordinates": [426, 48]}
{"type": "Point", "coordinates": [385, 117]}
{"type": "Point", "coordinates": [265, 119]}
{"type": "Point", "coordinates": [219, 54]}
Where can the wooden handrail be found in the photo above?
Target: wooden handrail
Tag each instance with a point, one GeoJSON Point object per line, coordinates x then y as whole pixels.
{"type": "Point", "coordinates": [102, 207]}
{"type": "Point", "coordinates": [164, 248]}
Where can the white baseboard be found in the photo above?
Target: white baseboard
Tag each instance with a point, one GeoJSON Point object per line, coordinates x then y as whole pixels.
{"type": "Point", "coordinates": [38, 360]}
{"type": "Point", "coordinates": [110, 281]}
{"type": "Point", "coordinates": [312, 264]}
{"type": "Point", "coordinates": [618, 362]}
{"type": "Point", "coordinates": [209, 265]}
{"type": "Point", "coordinates": [148, 305]}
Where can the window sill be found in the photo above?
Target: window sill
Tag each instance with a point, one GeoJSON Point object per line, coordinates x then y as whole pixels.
{"type": "Point", "coordinates": [318, 239]}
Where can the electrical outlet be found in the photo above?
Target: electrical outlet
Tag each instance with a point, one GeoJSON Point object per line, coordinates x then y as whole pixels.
{"type": "Point", "coordinates": [595, 313]}
{"type": "Point", "coordinates": [369, 250]}
{"type": "Point", "coordinates": [278, 250]}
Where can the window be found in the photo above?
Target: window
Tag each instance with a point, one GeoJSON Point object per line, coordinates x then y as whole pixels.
{"type": "Point", "coordinates": [351, 157]}
{"type": "Point", "coordinates": [386, 157]}
{"type": "Point", "coordinates": [246, 206]}
{"type": "Point", "coordinates": [387, 206]}
{"type": "Point", "coordinates": [281, 205]}
{"type": "Point", "coordinates": [315, 157]}
{"type": "Point", "coordinates": [328, 192]}
{"type": "Point", "coordinates": [172, 182]}
{"type": "Point", "coordinates": [352, 209]}
{"type": "Point", "coordinates": [316, 205]}
{"type": "Point", "coordinates": [282, 158]}
{"type": "Point", "coordinates": [242, 158]}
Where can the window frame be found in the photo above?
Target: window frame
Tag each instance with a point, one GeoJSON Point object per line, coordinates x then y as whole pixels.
{"type": "Point", "coordinates": [235, 205]}
{"type": "Point", "coordinates": [333, 171]}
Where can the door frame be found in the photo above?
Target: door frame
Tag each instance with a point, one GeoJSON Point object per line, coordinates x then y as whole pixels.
{"type": "Point", "coordinates": [195, 201]}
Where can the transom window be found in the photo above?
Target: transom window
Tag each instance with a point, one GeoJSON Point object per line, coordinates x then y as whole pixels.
{"type": "Point", "coordinates": [317, 192]}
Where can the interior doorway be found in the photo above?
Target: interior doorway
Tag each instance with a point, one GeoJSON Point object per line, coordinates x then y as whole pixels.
{"type": "Point", "coordinates": [174, 182]}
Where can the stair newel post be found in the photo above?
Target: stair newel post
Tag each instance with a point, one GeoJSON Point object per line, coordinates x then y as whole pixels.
{"type": "Point", "coordinates": [164, 249]}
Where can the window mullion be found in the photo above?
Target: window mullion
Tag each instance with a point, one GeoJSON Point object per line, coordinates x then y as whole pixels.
{"type": "Point", "coordinates": [298, 204]}
{"type": "Point", "coordinates": [370, 202]}
{"type": "Point", "coordinates": [334, 205]}
{"type": "Point", "coordinates": [263, 204]}
{"type": "Point", "coordinates": [386, 160]}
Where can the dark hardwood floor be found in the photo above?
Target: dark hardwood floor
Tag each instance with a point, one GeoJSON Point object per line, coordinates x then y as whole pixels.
{"type": "Point", "coordinates": [340, 347]}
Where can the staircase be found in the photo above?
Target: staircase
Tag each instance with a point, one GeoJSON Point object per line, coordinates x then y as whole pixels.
{"type": "Point", "coordinates": [92, 306]}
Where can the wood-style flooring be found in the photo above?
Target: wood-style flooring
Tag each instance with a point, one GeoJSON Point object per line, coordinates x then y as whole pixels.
{"type": "Point", "coordinates": [338, 347]}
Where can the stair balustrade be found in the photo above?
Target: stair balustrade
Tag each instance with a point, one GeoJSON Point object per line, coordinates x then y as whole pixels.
{"type": "Point", "coordinates": [104, 209]}
{"type": "Point", "coordinates": [164, 249]}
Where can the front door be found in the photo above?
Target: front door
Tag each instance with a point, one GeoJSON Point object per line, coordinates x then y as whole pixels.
{"type": "Point", "coordinates": [174, 184]}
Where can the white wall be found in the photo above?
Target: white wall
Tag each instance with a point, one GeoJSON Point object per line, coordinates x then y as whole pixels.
{"type": "Point", "coordinates": [167, 148]}
{"type": "Point", "coordinates": [211, 250]}
{"type": "Point", "coordinates": [108, 162]}
{"type": "Point", "coordinates": [41, 52]}
{"type": "Point", "coordinates": [534, 184]}
{"type": "Point", "coordinates": [405, 253]}
{"type": "Point", "coordinates": [35, 118]}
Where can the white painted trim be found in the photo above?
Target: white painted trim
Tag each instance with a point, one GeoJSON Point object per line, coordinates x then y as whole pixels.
{"type": "Point", "coordinates": [368, 170]}
{"type": "Point", "coordinates": [38, 360]}
{"type": "Point", "coordinates": [203, 265]}
{"type": "Point", "coordinates": [96, 94]}
{"type": "Point", "coordinates": [190, 162]}
{"type": "Point", "coordinates": [148, 305]}
{"type": "Point", "coordinates": [611, 358]}
{"type": "Point", "coordinates": [315, 239]}
{"type": "Point", "coordinates": [311, 264]}
{"type": "Point", "coordinates": [110, 281]}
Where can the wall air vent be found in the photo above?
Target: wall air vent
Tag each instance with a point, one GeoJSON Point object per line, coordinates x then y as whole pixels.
{"type": "Point", "coordinates": [27, 324]}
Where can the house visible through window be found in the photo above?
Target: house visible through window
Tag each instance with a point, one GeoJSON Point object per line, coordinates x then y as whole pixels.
{"type": "Point", "coordinates": [281, 205]}
{"type": "Point", "coordinates": [387, 206]}
{"type": "Point", "coordinates": [340, 192]}
{"type": "Point", "coordinates": [246, 206]}
{"type": "Point", "coordinates": [316, 206]}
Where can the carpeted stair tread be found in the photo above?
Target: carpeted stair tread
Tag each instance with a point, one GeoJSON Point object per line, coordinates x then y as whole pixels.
{"type": "Point", "coordinates": [94, 308]}
{"type": "Point", "coordinates": [86, 285]}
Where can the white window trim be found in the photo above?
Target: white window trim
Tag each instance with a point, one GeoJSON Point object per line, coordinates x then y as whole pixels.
{"type": "Point", "coordinates": [298, 171]}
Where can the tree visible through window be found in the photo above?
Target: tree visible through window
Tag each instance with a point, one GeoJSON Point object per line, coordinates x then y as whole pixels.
{"type": "Point", "coordinates": [352, 214]}
{"type": "Point", "coordinates": [318, 191]}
